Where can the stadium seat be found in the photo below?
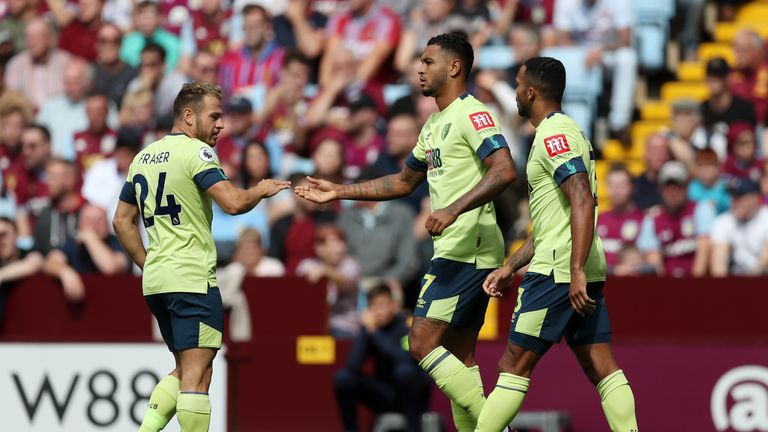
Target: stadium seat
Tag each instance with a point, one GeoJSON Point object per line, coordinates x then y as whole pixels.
{"type": "Point", "coordinates": [613, 150]}
{"type": "Point", "coordinates": [725, 31]}
{"type": "Point", "coordinates": [651, 30]}
{"type": "Point", "coordinates": [582, 113]}
{"type": "Point", "coordinates": [709, 50]}
{"type": "Point", "coordinates": [495, 57]}
{"type": "Point", "coordinates": [675, 90]}
{"type": "Point", "coordinates": [643, 129]}
{"type": "Point", "coordinates": [636, 167]}
{"type": "Point", "coordinates": [656, 110]}
{"type": "Point", "coordinates": [691, 71]}
{"type": "Point", "coordinates": [753, 13]}
{"type": "Point", "coordinates": [393, 92]}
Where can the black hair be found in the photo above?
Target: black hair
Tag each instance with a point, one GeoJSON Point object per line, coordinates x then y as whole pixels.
{"type": "Point", "coordinates": [155, 48]}
{"type": "Point", "coordinates": [43, 130]}
{"type": "Point", "coordinates": [129, 138]}
{"type": "Point", "coordinates": [251, 8]}
{"type": "Point", "coordinates": [192, 95]}
{"type": "Point", "coordinates": [459, 45]}
{"type": "Point", "coordinates": [246, 176]}
{"type": "Point", "coordinates": [294, 55]}
{"type": "Point", "coordinates": [377, 290]}
{"type": "Point", "coordinates": [547, 75]}
{"type": "Point", "coordinates": [96, 93]}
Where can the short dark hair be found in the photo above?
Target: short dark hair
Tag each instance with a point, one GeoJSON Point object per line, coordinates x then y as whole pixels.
{"type": "Point", "coordinates": [547, 75]}
{"type": "Point", "coordinates": [294, 55]}
{"type": "Point", "coordinates": [192, 95]}
{"type": "Point", "coordinates": [155, 48]}
{"type": "Point", "coordinates": [96, 93]}
{"type": "Point", "coordinates": [251, 8]}
{"type": "Point", "coordinates": [129, 138]}
{"type": "Point", "coordinates": [10, 221]}
{"type": "Point", "coordinates": [378, 290]}
{"type": "Point", "coordinates": [42, 129]}
{"type": "Point", "coordinates": [458, 45]}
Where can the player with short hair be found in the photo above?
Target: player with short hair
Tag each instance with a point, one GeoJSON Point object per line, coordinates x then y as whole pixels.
{"type": "Point", "coordinates": [466, 161]}
{"type": "Point", "coordinates": [561, 293]}
{"type": "Point", "coordinates": [170, 185]}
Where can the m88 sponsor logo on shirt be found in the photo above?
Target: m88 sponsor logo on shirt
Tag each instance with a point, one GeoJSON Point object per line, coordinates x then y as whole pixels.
{"type": "Point", "coordinates": [434, 162]}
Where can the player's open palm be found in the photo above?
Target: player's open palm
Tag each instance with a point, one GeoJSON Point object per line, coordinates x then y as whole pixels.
{"type": "Point", "coordinates": [319, 191]}
{"type": "Point", "coordinates": [270, 187]}
{"type": "Point", "coordinates": [498, 281]}
{"type": "Point", "coordinates": [582, 304]}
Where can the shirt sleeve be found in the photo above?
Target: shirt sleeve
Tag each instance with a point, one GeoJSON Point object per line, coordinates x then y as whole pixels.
{"type": "Point", "coordinates": [482, 132]}
{"type": "Point", "coordinates": [417, 161]}
{"type": "Point", "coordinates": [721, 229]}
{"type": "Point", "coordinates": [204, 167]}
{"type": "Point", "coordinates": [703, 217]}
{"type": "Point", "coordinates": [647, 240]}
{"type": "Point", "coordinates": [560, 155]}
{"type": "Point", "coordinates": [623, 15]}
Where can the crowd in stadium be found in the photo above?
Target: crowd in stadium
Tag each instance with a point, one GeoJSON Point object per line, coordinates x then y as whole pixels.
{"type": "Point", "coordinates": [329, 88]}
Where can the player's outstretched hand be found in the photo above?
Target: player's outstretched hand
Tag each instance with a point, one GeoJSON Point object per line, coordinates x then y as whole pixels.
{"type": "Point", "coordinates": [439, 220]}
{"type": "Point", "coordinates": [319, 191]}
{"type": "Point", "coordinates": [271, 187]}
{"type": "Point", "coordinates": [582, 304]}
{"type": "Point", "coordinates": [498, 281]}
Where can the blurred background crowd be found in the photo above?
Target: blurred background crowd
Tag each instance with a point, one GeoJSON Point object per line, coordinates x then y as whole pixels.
{"type": "Point", "coordinates": [674, 95]}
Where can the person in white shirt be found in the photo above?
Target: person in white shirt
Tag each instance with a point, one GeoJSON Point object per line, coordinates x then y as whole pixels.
{"type": "Point", "coordinates": [740, 236]}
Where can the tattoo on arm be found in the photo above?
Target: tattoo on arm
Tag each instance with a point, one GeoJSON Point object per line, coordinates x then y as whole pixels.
{"type": "Point", "coordinates": [577, 189]}
{"type": "Point", "coordinates": [385, 188]}
{"type": "Point", "coordinates": [522, 256]}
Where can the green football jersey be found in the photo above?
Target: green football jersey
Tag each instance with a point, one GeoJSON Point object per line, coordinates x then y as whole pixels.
{"type": "Point", "coordinates": [559, 150]}
{"type": "Point", "coordinates": [167, 181]}
{"type": "Point", "coordinates": [451, 148]}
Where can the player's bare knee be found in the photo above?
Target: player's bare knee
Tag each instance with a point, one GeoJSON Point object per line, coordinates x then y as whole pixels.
{"type": "Point", "coordinates": [419, 346]}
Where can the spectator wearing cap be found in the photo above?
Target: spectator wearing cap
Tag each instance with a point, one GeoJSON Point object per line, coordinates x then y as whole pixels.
{"type": "Point", "coordinates": [743, 160]}
{"type": "Point", "coordinates": [707, 184]}
{"type": "Point", "coordinates": [618, 227]}
{"type": "Point", "coordinates": [147, 21]}
{"type": "Point", "coordinates": [155, 76]}
{"type": "Point", "coordinates": [105, 178]}
{"type": "Point", "coordinates": [675, 235]}
{"type": "Point", "coordinates": [97, 141]}
{"type": "Point", "coordinates": [36, 71]}
{"type": "Point", "coordinates": [17, 14]}
{"type": "Point", "coordinates": [79, 32]}
{"type": "Point", "coordinates": [723, 108]}
{"type": "Point", "coordinates": [646, 187]}
{"type": "Point", "coordinates": [687, 134]}
{"type": "Point", "coordinates": [749, 78]}
{"type": "Point", "coordinates": [111, 75]}
{"type": "Point", "coordinates": [258, 61]}
{"type": "Point", "coordinates": [605, 27]}
{"type": "Point", "coordinates": [740, 236]}
{"type": "Point", "coordinates": [239, 130]}
{"type": "Point", "coordinates": [15, 264]}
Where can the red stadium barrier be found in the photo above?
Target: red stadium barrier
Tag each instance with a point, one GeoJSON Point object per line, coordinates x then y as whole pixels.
{"type": "Point", "coordinates": [675, 338]}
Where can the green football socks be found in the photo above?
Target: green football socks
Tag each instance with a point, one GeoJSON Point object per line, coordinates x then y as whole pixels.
{"type": "Point", "coordinates": [618, 402]}
{"type": "Point", "coordinates": [194, 412]}
{"type": "Point", "coordinates": [457, 381]}
{"type": "Point", "coordinates": [503, 403]}
{"type": "Point", "coordinates": [162, 405]}
{"type": "Point", "coordinates": [463, 420]}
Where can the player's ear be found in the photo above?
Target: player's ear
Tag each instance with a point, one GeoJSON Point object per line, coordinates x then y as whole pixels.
{"type": "Point", "coordinates": [189, 116]}
{"type": "Point", "coordinates": [455, 68]}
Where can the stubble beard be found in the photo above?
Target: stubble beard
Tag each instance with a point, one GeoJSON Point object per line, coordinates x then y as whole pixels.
{"type": "Point", "coordinates": [438, 83]}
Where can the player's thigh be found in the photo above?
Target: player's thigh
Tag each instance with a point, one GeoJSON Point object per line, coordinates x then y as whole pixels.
{"type": "Point", "coordinates": [452, 292]}
{"type": "Point", "coordinates": [461, 342]}
{"type": "Point", "coordinates": [158, 305]}
{"type": "Point", "coordinates": [541, 315]}
{"type": "Point", "coordinates": [197, 319]}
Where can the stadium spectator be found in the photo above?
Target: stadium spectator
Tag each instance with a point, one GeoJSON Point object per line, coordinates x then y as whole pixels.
{"type": "Point", "coordinates": [630, 263]}
{"type": "Point", "coordinates": [362, 143]}
{"type": "Point", "coordinates": [137, 110]}
{"type": "Point", "coordinates": [401, 137]}
{"type": "Point", "coordinates": [155, 76]}
{"type": "Point", "coordinates": [740, 236]}
{"type": "Point", "coordinates": [79, 33]}
{"type": "Point", "coordinates": [743, 160]}
{"type": "Point", "coordinates": [749, 77]}
{"type": "Point", "coordinates": [258, 62]}
{"type": "Point", "coordinates": [408, 103]}
{"type": "Point", "coordinates": [675, 235]}
{"type": "Point", "coordinates": [687, 134]}
{"type": "Point", "coordinates": [380, 237]}
{"type": "Point", "coordinates": [252, 256]}
{"type": "Point", "coordinates": [431, 18]}
{"type": "Point", "coordinates": [531, 12]}
{"type": "Point", "coordinates": [605, 26]}
{"type": "Point", "coordinates": [646, 190]}
{"type": "Point", "coordinates": [302, 27]}
{"type": "Point", "coordinates": [105, 178]}
{"type": "Point", "coordinates": [332, 264]}
{"type": "Point", "coordinates": [397, 384]}
{"type": "Point", "coordinates": [36, 71]}
{"type": "Point", "coordinates": [13, 23]}
{"type": "Point", "coordinates": [15, 263]}
{"type": "Point", "coordinates": [12, 98]}
{"type": "Point", "coordinates": [291, 236]}
{"type": "Point", "coordinates": [281, 119]}
{"type": "Point", "coordinates": [478, 15]}
{"type": "Point", "coordinates": [204, 68]}
{"type": "Point", "coordinates": [370, 31]}
{"type": "Point", "coordinates": [690, 33]}
{"type": "Point", "coordinates": [97, 141]}
{"type": "Point", "coordinates": [707, 184]}
{"type": "Point", "coordinates": [111, 75]}
{"type": "Point", "coordinates": [147, 21]}
{"type": "Point", "coordinates": [328, 158]}
{"type": "Point", "coordinates": [239, 130]}
{"type": "Point", "coordinates": [59, 219]}
{"type": "Point", "coordinates": [13, 120]}
{"type": "Point", "coordinates": [619, 226]}
{"type": "Point", "coordinates": [206, 30]}
{"type": "Point", "coordinates": [64, 115]}
{"type": "Point", "coordinates": [723, 108]}
{"type": "Point", "coordinates": [26, 181]}
{"type": "Point", "coordinates": [226, 228]}
{"type": "Point", "coordinates": [330, 106]}
{"type": "Point", "coordinates": [89, 249]}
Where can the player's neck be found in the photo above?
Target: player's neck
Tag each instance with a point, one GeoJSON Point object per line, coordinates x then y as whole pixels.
{"type": "Point", "coordinates": [177, 129]}
{"type": "Point", "coordinates": [539, 113]}
{"type": "Point", "coordinates": [450, 94]}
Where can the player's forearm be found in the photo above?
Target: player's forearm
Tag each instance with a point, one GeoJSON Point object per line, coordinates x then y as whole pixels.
{"type": "Point", "coordinates": [582, 231]}
{"type": "Point", "coordinates": [131, 241]}
{"type": "Point", "coordinates": [380, 189]}
{"type": "Point", "coordinates": [490, 186]}
{"type": "Point", "coordinates": [521, 257]}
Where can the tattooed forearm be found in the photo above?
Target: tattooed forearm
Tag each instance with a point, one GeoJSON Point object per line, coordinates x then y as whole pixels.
{"type": "Point", "coordinates": [522, 256]}
{"type": "Point", "coordinates": [576, 188]}
{"type": "Point", "coordinates": [383, 188]}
